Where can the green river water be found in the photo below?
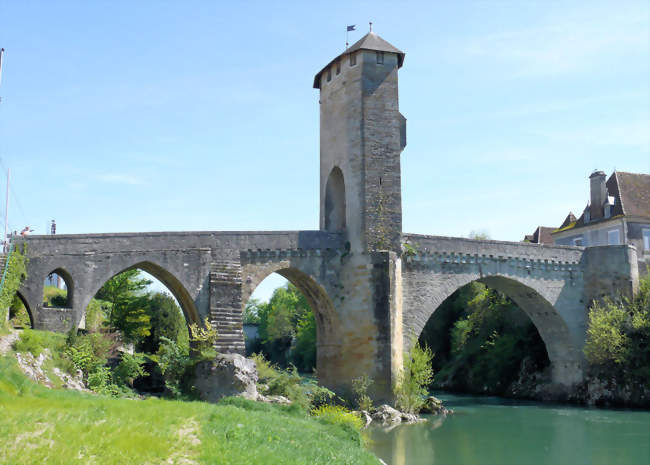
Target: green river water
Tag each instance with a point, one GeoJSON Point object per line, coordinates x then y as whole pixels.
{"type": "Point", "coordinates": [491, 430]}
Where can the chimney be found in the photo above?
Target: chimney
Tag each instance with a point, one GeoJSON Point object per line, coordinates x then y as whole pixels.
{"type": "Point", "coordinates": [598, 194]}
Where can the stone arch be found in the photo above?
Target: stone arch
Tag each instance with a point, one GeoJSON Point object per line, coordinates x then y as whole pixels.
{"type": "Point", "coordinates": [565, 357]}
{"type": "Point", "coordinates": [173, 284]}
{"type": "Point", "coordinates": [27, 309]}
{"type": "Point", "coordinates": [335, 206]}
{"type": "Point", "coordinates": [319, 302]}
{"type": "Point", "coordinates": [69, 284]}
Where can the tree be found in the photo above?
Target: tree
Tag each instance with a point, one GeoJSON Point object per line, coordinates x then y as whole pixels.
{"type": "Point", "coordinates": [414, 379]}
{"type": "Point", "coordinates": [284, 321]}
{"type": "Point", "coordinates": [122, 287]}
{"type": "Point", "coordinates": [166, 320]}
{"type": "Point", "coordinates": [481, 339]}
{"type": "Point", "coordinates": [303, 354]}
{"type": "Point", "coordinates": [252, 311]}
{"type": "Point", "coordinates": [128, 309]}
{"type": "Point", "coordinates": [479, 234]}
{"type": "Point", "coordinates": [618, 337]}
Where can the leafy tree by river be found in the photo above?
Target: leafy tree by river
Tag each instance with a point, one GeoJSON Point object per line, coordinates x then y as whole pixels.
{"type": "Point", "coordinates": [287, 328]}
{"type": "Point", "coordinates": [618, 338]}
{"type": "Point", "coordinates": [481, 339]}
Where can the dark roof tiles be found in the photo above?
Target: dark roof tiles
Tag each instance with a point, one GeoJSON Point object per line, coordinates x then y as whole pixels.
{"type": "Point", "coordinates": [370, 41]}
{"type": "Point", "coordinates": [631, 192]}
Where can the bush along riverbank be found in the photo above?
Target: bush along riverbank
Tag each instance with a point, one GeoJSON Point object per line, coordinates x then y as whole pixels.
{"type": "Point", "coordinates": [50, 425]}
{"type": "Point", "coordinates": [485, 344]}
{"type": "Point", "coordinates": [49, 359]}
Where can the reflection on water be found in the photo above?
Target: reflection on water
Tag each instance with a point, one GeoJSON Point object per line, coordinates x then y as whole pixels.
{"type": "Point", "coordinates": [486, 431]}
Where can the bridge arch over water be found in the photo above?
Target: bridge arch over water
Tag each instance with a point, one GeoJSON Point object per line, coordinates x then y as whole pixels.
{"type": "Point", "coordinates": [564, 355]}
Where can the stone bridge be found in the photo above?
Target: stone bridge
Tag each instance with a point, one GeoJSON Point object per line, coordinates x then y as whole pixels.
{"type": "Point", "coordinates": [371, 287]}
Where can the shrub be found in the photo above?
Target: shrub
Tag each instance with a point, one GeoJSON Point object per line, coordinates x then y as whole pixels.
{"type": "Point", "coordinates": [319, 395]}
{"type": "Point", "coordinates": [415, 378]}
{"type": "Point", "coordinates": [340, 416]}
{"type": "Point", "coordinates": [96, 314]}
{"type": "Point", "coordinates": [35, 341]}
{"type": "Point", "coordinates": [618, 337]}
{"type": "Point", "coordinates": [19, 318]}
{"type": "Point", "coordinates": [91, 351]}
{"type": "Point", "coordinates": [173, 360]}
{"type": "Point", "coordinates": [204, 338]}
{"type": "Point", "coordinates": [289, 384]}
{"type": "Point", "coordinates": [360, 387]}
{"type": "Point", "coordinates": [99, 379]}
{"type": "Point", "coordinates": [131, 366]}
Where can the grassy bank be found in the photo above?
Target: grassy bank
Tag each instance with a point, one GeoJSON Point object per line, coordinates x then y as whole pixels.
{"type": "Point", "coordinates": [40, 425]}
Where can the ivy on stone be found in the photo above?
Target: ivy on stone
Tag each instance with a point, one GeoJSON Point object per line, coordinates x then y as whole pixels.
{"type": "Point", "coordinates": [16, 274]}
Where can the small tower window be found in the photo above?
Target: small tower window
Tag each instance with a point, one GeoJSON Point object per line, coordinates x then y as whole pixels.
{"type": "Point", "coordinates": [380, 58]}
{"type": "Point", "coordinates": [329, 74]}
{"type": "Point", "coordinates": [353, 59]}
{"type": "Point", "coordinates": [338, 67]}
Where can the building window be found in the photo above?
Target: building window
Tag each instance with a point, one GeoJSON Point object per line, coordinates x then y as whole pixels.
{"type": "Point", "coordinates": [338, 67]}
{"type": "Point", "coordinates": [329, 74]}
{"type": "Point", "coordinates": [380, 58]}
{"type": "Point", "coordinates": [587, 215]}
{"type": "Point", "coordinates": [646, 240]}
{"type": "Point", "coordinates": [353, 59]}
{"type": "Point", "coordinates": [577, 241]}
{"type": "Point", "coordinates": [613, 237]}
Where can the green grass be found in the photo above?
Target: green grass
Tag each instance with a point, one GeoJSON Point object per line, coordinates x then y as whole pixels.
{"type": "Point", "coordinates": [40, 426]}
{"type": "Point", "coordinates": [53, 296]}
{"type": "Point", "coordinates": [34, 341]}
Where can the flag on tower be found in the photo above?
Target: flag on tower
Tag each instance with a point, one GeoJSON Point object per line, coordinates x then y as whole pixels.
{"type": "Point", "coordinates": [351, 28]}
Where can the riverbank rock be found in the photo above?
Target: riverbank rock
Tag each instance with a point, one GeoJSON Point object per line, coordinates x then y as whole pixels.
{"type": "Point", "coordinates": [387, 415]}
{"type": "Point", "coordinates": [433, 405]}
{"type": "Point", "coordinates": [226, 375]}
{"type": "Point", "coordinates": [75, 382]}
{"type": "Point", "coordinates": [33, 366]}
{"type": "Point", "coordinates": [273, 399]}
{"type": "Point", "coordinates": [365, 416]}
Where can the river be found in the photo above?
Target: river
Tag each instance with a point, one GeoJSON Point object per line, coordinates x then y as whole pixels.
{"type": "Point", "coordinates": [491, 430]}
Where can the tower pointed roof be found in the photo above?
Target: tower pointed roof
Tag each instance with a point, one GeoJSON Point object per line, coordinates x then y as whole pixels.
{"type": "Point", "coordinates": [370, 41]}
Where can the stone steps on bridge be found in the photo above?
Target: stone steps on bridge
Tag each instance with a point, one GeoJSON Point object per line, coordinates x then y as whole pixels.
{"type": "Point", "coordinates": [225, 288]}
{"type": "Point", "coordinates": [225, 271]}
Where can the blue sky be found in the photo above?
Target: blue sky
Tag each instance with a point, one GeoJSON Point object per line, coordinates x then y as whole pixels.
{"type": "Point", "coordinates": [147, 116]}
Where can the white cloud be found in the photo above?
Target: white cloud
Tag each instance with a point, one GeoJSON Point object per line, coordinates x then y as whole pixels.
{"type": "Point", "coordinates": [632, 133]}
{"type": "Point", "coordinates": [565, 46]}
{"type": "Point", "coordinates": [118, 178]}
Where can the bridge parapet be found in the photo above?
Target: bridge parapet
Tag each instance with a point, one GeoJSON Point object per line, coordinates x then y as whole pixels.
{"type": "Point", "coordinates": [222, 241]}
{"type": "Point", "coordinates": [425, 245]}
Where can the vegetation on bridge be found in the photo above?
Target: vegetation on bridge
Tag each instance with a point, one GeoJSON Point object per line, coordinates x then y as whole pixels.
{"type": "Point", "coordinates": [15, 274]}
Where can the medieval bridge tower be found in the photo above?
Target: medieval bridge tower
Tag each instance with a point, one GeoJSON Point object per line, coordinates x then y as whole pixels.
{"type": "Point", "coordinates": [371, 286]}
